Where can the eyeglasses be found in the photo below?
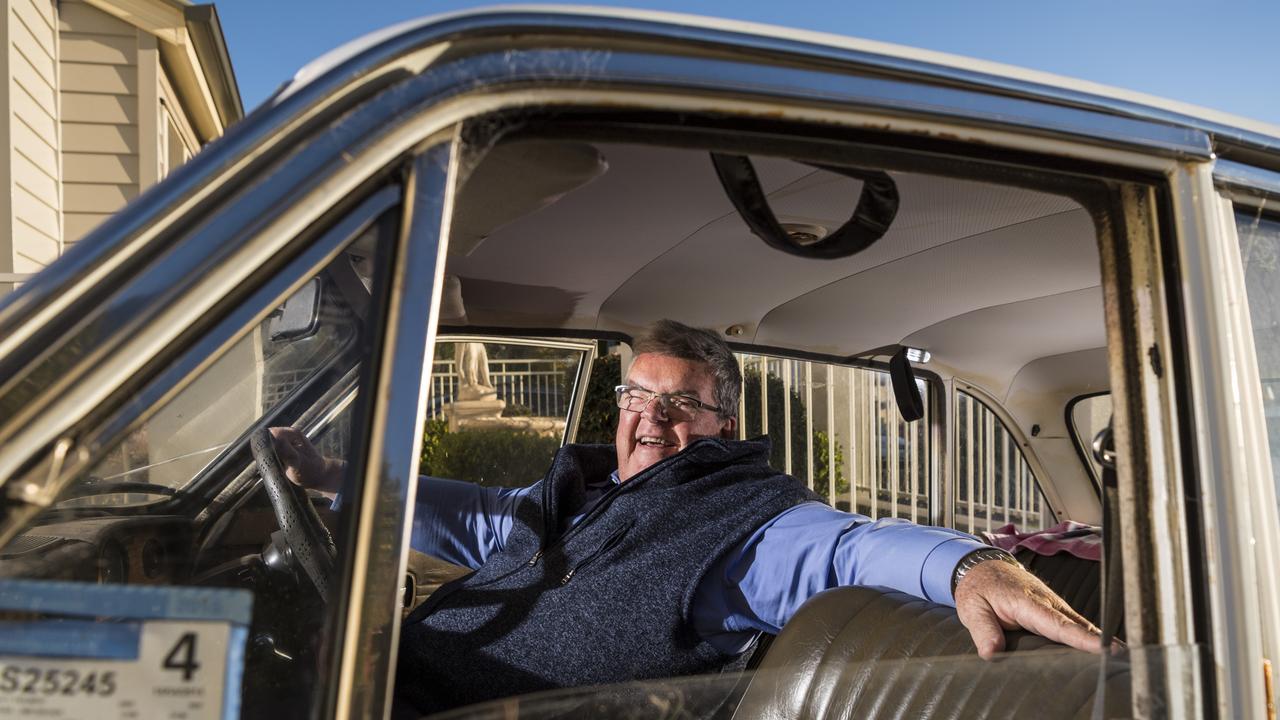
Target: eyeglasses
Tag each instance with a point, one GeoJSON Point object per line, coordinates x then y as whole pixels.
{"type": "Point", "coordinates": [677, 408]}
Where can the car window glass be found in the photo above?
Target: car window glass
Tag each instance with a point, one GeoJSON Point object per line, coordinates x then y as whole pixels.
{"type": "Point", "coordinates": [498, 411]}
{"type": "Point", "coordinates": [994, 485]}
{"type": "Point", "coordinates": [1089, 416]}
{"type": "Point", "coordinates": [261, 370]}
{"type": "Point", "coordinates": [1260, 255]}
{"type": "Point", "coordinates": [179, 502]}
{"type": "Point", "coordinates": [838, 429]}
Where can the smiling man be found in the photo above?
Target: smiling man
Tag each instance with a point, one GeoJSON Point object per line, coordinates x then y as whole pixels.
{"type": "Point", "coordinates": [665, 554]}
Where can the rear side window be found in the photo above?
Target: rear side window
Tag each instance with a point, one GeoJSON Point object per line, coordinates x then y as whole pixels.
{"type": "Point", "coordinates": [994, 485]}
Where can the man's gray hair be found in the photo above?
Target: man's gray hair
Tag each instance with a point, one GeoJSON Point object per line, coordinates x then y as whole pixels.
{"type": "Point", "coordinates": [673, 339]}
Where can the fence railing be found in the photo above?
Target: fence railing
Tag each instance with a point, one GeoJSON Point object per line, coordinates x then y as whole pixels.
{"type": "Point", "coordinates": [529, 387]}
{"type": "Point", "coordinates": [839, 431]}
{"type": "Point", "coordinates": [994, 483]}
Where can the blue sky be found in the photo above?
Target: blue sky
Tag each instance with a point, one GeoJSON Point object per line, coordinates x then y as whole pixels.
{"type": "Point", "coordinates": [1223, 55]}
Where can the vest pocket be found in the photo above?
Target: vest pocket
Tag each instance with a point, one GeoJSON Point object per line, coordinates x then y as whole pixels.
{"type": "Point", "coordinates": [605, 547]}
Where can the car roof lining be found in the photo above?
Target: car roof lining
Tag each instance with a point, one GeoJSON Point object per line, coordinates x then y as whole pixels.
{"type": "Point", "coordinates": [654, 228]}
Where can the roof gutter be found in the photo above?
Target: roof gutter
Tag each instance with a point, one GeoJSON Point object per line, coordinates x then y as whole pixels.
{"type": "Point", "coordinates": [210, 44]}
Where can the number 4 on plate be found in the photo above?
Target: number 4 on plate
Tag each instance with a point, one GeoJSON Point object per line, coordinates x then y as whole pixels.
{"type": "Point", "coordinates": [183, 657]}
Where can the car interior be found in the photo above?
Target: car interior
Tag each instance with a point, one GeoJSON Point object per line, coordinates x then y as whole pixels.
{"type": "Point", "coordinates": [991, 270]}
{"type": "Point", "coordinates": [933, 321]}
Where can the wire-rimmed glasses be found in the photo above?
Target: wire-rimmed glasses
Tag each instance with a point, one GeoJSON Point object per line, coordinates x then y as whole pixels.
{"type": "Point", "coordinates": [676, 407]}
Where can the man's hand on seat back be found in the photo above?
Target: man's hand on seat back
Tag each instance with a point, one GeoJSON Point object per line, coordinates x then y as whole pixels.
{"type": "Point", "coordinates": [996, 596]}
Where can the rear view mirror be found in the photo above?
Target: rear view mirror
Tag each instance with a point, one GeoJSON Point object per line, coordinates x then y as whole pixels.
{"type": "Point", "coordinates": [299, 317]}
{"type": "Point", "coordinates": [905, 390]}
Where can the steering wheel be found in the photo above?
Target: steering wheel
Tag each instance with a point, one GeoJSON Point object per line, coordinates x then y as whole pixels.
{"type": "Point", "coordinates": [310, 544]}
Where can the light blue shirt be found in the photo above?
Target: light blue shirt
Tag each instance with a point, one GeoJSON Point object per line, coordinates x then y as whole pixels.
{"type": "Point", "coordinates": [754, 588]}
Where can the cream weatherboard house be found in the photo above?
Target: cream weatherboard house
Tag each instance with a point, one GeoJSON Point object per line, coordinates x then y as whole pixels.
{"type": "Point", "coordinates": [102, 99]}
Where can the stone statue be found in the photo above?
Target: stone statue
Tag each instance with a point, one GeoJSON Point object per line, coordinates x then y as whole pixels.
{"type": "Point", "coordinates": [472, 363]}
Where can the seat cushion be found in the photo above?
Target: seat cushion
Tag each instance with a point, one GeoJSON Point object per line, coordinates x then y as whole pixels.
{"type": "Point", "coordinates": [870, 652]}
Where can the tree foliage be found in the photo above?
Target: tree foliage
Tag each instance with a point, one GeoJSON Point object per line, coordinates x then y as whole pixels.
{"type": "Point", "coordinates": [776, 396]}
{"type": "Point", "coordinates": [599, 419]}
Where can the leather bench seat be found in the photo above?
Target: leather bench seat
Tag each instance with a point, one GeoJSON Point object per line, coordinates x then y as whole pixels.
{"type": "Point", "coordinates": [1076, 580]}
{"type": "Point", "coordinates": [876, 653]}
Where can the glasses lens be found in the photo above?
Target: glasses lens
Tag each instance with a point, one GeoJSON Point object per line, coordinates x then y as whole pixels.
{"type": "Point", "coordinates": [678, 408]}
{"type": "Point", "coordinates": [675, 407]}
{"type": "Point", "coordinates": [630, 398]}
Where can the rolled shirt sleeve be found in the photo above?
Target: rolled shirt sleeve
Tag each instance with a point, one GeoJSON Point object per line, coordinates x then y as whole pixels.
{"type": "Point", "coordinates": [809, 548]}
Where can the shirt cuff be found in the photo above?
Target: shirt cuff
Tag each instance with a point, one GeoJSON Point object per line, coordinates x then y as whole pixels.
{"type": "Point", "coordinates": [940, 566]}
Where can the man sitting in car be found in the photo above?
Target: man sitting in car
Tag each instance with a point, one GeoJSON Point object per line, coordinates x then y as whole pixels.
{"type": "Point", "coordinates": [665, 554]}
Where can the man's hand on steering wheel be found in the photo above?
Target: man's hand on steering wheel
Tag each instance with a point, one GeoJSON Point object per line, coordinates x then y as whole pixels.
{"type": "Point", "coordinates": [310, 545]}
{"type": "Point", "coordinates": [303, 464]}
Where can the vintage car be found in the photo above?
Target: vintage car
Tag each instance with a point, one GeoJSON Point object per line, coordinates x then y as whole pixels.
{"type": "Point", "coordinates": [962, 294]}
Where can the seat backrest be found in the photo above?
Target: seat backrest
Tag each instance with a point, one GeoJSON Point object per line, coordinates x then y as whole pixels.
{"type": "Point", "coordinates": [870, 652]}
{"type": "Point", "coordinates": [1076, 580]}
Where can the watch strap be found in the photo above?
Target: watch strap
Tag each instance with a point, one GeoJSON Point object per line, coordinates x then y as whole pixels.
{"type": "Point", "coordinates": [975, 558]}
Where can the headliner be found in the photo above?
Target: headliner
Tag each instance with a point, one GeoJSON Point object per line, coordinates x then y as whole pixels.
{"type": "Point", "coordinates": [986, 277]}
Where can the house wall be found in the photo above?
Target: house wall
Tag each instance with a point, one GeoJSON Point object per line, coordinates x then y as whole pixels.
{"type": "Point", "coordinates": [91, 119]}
{"type": "Point", "coordinates": [100, 114]}
{"type": "Point", "coordinates": [33, 136]}
{"type": "Point", "coordinates": [178, 140]}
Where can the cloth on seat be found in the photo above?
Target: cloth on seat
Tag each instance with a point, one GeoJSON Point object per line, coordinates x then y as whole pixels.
{"type": "Point", "coordinates": [864, 652]}
{"type": "Point", "coordinates": [1081, 540]}
{"type": "Point", "coordinates": [1067, 557]}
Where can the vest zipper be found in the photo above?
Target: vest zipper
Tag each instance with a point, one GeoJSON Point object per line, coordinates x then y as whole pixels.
{"type": "Point", "coordinates": [600, 507]}
{"type": "Point", "coordinates": [608, 545]}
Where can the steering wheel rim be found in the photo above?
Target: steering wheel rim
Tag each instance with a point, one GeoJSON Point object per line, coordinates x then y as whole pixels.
{"type": "Point", "coordinates": [309, 540]}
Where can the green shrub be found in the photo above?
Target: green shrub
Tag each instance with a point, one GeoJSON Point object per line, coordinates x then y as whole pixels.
{"type": "Point", "coordinates": [821, 446]}
{"type": "Point", "coordinates": [489, 456]}
{"type": "Point", "coordinates": [432, 450]}
{"type": "Point", "coordinates": [777, 395]}
{"type": "Point", "coordinates": [515, 409]}
{"type": "Point", "coordinates": [599, 420]}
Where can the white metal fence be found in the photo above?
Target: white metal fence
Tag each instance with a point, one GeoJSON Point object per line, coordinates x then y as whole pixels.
{"type": "Point", "coordinates": [835, 427]}
{"type": "Point", "coordinates": [534, 387]}
{"type": "Point", "coordinates": [840, 431]}
{"type": "Point", "coordinates": [994, 483]}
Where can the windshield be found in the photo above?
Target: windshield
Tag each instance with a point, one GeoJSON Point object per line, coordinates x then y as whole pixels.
{"type": "Point", "coordinates": [305, 335]}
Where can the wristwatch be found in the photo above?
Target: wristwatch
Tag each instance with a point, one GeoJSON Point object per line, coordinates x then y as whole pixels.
{"type": "Point", "coordinates": [970, 561]}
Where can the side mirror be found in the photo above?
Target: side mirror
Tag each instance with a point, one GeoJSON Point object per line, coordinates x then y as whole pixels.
{"type": "Point", "coordinates": [905, 390]}
{"type": "Point", "coordinates": [299, 317]}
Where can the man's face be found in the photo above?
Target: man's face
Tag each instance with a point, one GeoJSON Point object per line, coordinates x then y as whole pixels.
{"type": "Point", "coordinates": [646, 437]}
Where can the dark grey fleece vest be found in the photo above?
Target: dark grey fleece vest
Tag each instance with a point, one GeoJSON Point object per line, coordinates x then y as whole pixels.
{"type": "Point", "coordinates": [609, 599]}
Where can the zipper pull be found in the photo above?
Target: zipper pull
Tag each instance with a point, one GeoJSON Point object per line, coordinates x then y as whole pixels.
{"type": "Point", "coordinates": [534, 560]}
{"type": "Point", "coordinates": [565, 580]}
